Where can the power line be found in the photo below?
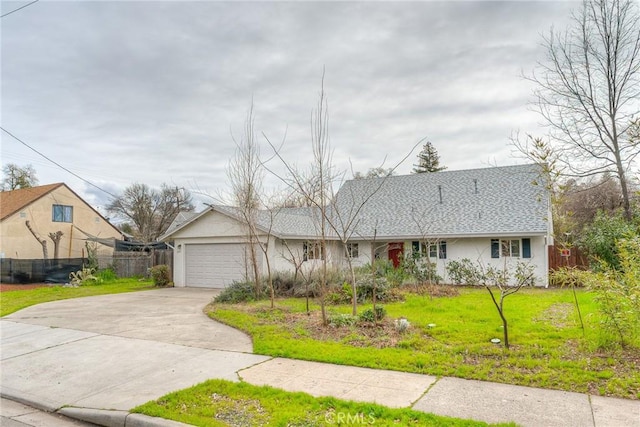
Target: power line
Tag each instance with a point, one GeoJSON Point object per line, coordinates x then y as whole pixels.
{"type": "Point", "coordinates": [21, 7]}
{"type": "Point", "coordinates": [56, 163]}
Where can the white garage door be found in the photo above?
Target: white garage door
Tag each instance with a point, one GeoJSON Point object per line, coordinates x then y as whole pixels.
{"type": "Point", "coordinates": [214, 265]}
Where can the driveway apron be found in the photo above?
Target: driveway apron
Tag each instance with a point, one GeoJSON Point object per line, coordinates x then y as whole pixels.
{"type": "Point", "coordinates": [117, 351]}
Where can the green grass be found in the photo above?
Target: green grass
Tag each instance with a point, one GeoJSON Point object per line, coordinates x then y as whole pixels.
{"type": "Point", "coordinates": [12, 301]}
{"type": "Point", "coordinates": [548, 347]}
{"type": "Point", "coordinates": [222, 403]}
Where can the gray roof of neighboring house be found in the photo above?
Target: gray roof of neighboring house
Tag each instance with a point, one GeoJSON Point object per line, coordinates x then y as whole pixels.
{"type": "Point", "coordinates": [483, 202]}
{"type": "Point", "coordinates": [491, 201]}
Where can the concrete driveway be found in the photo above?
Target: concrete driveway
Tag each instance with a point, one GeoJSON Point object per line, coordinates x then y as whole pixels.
{"type": "Point", "coordinates": [117, 351]}
{"type": "Point", "coordinates": [170, 315]}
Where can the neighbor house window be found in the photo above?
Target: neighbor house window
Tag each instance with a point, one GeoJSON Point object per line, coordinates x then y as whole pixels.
{"type": "Point", "coordinates": [352, 250]}
{"type": "Point", "coordinates": [312, 250]}
{"type": "Point", "coordinates": [62, 213]}
{"type": "Point", "coordinates": [510, 248]}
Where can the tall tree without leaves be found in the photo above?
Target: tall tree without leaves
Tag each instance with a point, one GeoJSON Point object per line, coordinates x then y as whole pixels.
{"type": "Point", "coordinates": [588, 90]}
{"type": "Point", "coordinates": [16, 177]}
{"type": "Point", "coordinates": [428, 160]}
{"type": "Point", "coordinates": [246, 174]}
{"type": "Point", "coordinates": [151, 211]}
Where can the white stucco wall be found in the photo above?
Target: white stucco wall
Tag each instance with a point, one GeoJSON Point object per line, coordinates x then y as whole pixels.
{"type": "Point", "coordinates": [214, 227]}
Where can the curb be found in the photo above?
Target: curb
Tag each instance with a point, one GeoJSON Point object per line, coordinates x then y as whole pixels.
{"type": "Point", "coordinates": [101, 417]}
{"type": "Point", "coordinates": [114, 418]}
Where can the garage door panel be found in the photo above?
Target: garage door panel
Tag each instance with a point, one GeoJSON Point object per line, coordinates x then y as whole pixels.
{"type": "Point", "coordinates": [214, 265]}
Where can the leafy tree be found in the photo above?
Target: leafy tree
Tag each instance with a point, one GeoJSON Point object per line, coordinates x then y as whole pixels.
{"type": "Point", "coordinates": [600, 239]}
{"type": "Point", "coordinates": [16, 177]}
{"type": "Point", "coordinates": [588, 90]}
{"type": "Point", "coordinates": [428, 160]}
{"type": "Point", "coordinates": [151, 211]}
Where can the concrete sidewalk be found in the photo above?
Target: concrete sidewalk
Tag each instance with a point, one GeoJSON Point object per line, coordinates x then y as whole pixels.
{"type": "Point", "coordinates": [106, 355]}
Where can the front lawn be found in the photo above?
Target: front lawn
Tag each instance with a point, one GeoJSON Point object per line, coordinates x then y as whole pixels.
{"type": "Point", "coordinates": [12, 301]}
{"type": "Point", "coordinates": [225, 403]}
{"type": "Point", "coordinates": [548, 348]}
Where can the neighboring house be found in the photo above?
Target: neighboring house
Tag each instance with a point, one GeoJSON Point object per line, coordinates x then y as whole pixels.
{"type": "Point", "coordinates": [493, 216]}
{"type": "Point", "coordinates": [50, 209]}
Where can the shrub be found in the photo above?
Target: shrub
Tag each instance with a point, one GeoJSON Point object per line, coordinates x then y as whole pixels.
{"type": "Point", "coordinates": [239, 292]}
{"type": "Point", "coordinates": [371, 316]}
{"type": "Point", "coordinates": [421, 269]}
{"type": "Point", "coordinates": [402, 324]}
{"type": "Point", "coordinates": [600, 239]}
{"type": "Point", "coordinates": [462, 272]}
{"type": "Point", "coordinates": [106, 275]}
{"type": "Point", "coordinates": [161, 275]}
{"type": "Point", "coordinates": [618, 294]}
{"type": "Point", "coordinates": [340, 320]}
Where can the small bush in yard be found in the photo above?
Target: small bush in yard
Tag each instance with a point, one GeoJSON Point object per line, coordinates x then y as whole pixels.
{"type": "Point", "coordinates": [339, 320]}
{"type": "Point", "coordinates": [106, 275]}
{"type": "Point", "coordinates": [370, 316]}
{"type": "Point", "coordinates": [161, 275]}
{"type": "Point", "coordinates": [239, 292]}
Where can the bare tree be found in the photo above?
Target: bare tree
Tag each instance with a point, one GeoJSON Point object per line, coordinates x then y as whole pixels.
{"type": "Point", "coordinates": [336, 219]}
{"type": "Point", "coordinates": [378, 172]}
{"type": "Point", "coordinates": [588, 90]}
{"type": "Point", "coordinates": [16, 177]}
{"type": "Point", "coordinates": [322, 175]}
{"type": "Point", "coordinates": [151, 211]}
{"type": "Point", "coordinates": [43, 242]}
{"type": "Point", "coordinates": [246, 174]}
{"type": "Point", "coordinates": [56, 237]}
{"type": "Point", "coordinates": [500, 283]}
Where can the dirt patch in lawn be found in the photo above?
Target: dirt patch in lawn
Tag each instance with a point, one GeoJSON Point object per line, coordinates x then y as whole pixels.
{"type": "Point", "coordinates": [12, 287]}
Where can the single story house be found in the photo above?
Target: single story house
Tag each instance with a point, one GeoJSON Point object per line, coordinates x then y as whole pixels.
{"type": "Point", "coordinates": [493, 216]}
{"type": "Point", "coordinates": [30, 216]}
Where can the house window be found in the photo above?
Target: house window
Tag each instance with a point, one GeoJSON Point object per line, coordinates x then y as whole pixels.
{"type": "Point", "coordinates": [433, 251]}
{"type": "Point", "coordinates": [513, 248]}
{"type": "Point", "coordinates": [438, 250]}
{"type": "Point", "coordinates": [419, 249]}
{"type": "Point", "coordinates": [352, 250]}
{"type": "Point", "coordinates": [62, 213]}
{"type": "Point", "coordinates": [442, 250]}
{"type": "Point", "coordinates": [312, 250]}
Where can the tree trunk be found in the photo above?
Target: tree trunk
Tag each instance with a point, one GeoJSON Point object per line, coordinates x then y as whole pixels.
{"type": "Point", "coordinates": [43, 242]}
{"type": "Point", "coordinates": [55, 237]}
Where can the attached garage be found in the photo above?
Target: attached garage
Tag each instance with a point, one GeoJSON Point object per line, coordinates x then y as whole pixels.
{"type": "Point", "coordinates": [214, 265]}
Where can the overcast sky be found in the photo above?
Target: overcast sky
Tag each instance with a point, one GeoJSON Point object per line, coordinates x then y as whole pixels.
{"type": "Point", "coordinates": [152, 91]}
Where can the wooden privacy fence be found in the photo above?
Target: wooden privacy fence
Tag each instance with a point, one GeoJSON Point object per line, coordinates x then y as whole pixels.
{"type": "Point", "coordinates": [131, 264]}
{"type": "Point", "coordinates": [575, 258]}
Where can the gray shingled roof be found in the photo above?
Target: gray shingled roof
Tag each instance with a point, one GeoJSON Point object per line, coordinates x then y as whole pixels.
{"type": "Point", "coordinates": [282, 222]}
{"type": "Point", "coordinates": [491, 201]}
{"type": "Point", "coordinates": [486, 202]}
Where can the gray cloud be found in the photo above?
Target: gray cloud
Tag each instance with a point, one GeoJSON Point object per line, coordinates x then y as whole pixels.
{"type": "Point", "coordinates": [124, 92]}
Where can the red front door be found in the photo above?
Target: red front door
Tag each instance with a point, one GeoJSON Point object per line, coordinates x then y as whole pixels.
{"type": "Point", "coordinates": [396, 251]}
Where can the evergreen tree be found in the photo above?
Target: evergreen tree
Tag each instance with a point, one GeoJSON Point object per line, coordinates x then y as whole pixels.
{"type": "Point", "coordinates": [428, 160]}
